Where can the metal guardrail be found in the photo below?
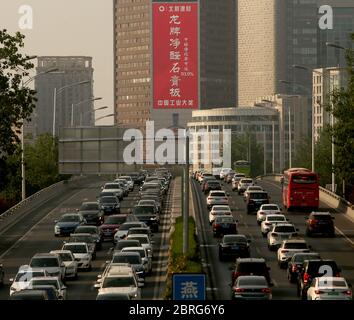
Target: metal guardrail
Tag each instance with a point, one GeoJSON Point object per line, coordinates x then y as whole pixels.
{"type": "Point", "coordinates": [34, 196]}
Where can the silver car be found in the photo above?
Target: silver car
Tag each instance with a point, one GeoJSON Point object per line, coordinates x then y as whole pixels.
{"type": "Point", "coordinates": [70, 263]}
{"type": "Point", "coordinates": [270, 221]}
{"type": "Point", "coordinates": [279, 233]}
{"type": "Point", "coordinates": [217, 197]}
{"type": "Point", "coordinates": [251, 288]}
{"type": "Point", "coordinates": [50, 281]}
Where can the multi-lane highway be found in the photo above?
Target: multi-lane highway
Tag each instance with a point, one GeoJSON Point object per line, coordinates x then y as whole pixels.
{"type": "Point", "coordinates": [34, 233]}
{"type": "Point", "coordinates": [340, 248]}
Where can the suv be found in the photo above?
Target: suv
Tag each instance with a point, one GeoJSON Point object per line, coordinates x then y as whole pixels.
{"type": "Point", "coordinates": [49, 262]}
{"type": "Point", "coordinates": [320, 222]}
{"type": "Point", "coordinates": [211, 185]}
{"type": "Point", "coordinates": [148, 215]}
{"type": "Point", "coordinates": [296, 263]}
{"type": "Point", "coordinates": [251, 266]}
{"type": "Point", "coordinates": [279, 233]}
{"type": "Point", "coordinates": [255, 199]}
{"type": "Point", "coordinates": [312, 269]}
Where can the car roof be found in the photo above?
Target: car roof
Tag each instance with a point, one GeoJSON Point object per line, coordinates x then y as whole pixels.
{"type": "Point", "coordinates": [284, 225]}
{"type": "Point", "coordinates": [45, 278]}
{"type": "Point", "coordinates": [294, 241]}
{"type": "Point", "coordinates": [275, 215]}
{"type": "Point", "coordinates": [45, 255]}
{"type": "Point", "coordinates": [75, 243]}
{"type": "Point", "coordinates": [126, 253]}
{"type": "Point", "coordinates": [252, 260]}
{"type": "Point", "coordinates": [60, 251]}
{"type": "Point", "coordinates": [81, 234]}
{"type": "Point", "coordinates": [320, 213]}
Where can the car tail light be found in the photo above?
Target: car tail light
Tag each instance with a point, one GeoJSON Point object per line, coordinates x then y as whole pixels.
{"type": "Point", "coordinates": [318, 292]}
{"type": "Point", "coordinates": [266, 290]}
{"type": "Point", "coordinates": [284, 251]}
{"type": "Point", "coordinates": [216, 226]}
{"type": "Point", "coordinates": [239, 290]}
{"type": "Point", "coordinates": [337, 274]}
{"type": "Point", "coordinates": [306, 277]}
{"type": "Point", "coordinates": [262, 212]}
{"type": "Point", "coordinates": [209, 198]}
{"type": "Point", "coordinates": [268, 224]}
{"type": "Point", "coordinates": [348, 292]}
{"type": "Point", "coordinates": [273, 234]}
{"type": "Point", "coordinates": [294, 268]}
{"type": "Point", "coordinates": [312, 221]}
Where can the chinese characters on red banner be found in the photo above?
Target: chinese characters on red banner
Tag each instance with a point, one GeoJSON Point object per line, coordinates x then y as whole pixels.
{"type": "Point", "coordinates": [175, 55]}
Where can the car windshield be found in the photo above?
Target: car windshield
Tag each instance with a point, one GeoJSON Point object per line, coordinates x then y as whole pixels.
{"type": "Point", "coordinates": [89, 206]}
{"type": "Point", "coordinates": [218, 194]}
{"type": "Point", "coordinates": [221, 208]}
{"type": "Point", "coordinates": [132, 259]}
{"type": "Point", "coordinates": [110, 282]}
{"type": "Point", "coordinates": [284, 229]}
{"type": "Point", "coordinates": [254, 188]}
{"type": "Point", "coordinates": [278, 218]}
{"type": "Point", "coordinates": [270, 208]}
{"type": "Point", "coordinates": [115, 220]}
{"type": "Point", "coordinates": [246, 181]}
{"type": "Point", "coordinates": [235, 239]}
{"type": "Point", "coordinates": [143, 210]}
{"type": "Point", "coordinates": [44, 262]}
{"type": "Point", "coordinates": [252, 267]}
{"type": "Point", "coordinates": [300, 258]}
{"type": "Point", "coordinates": [70, 218]}
{"type": "Point", "coordinates": [294, 245]}
{"type": "Point", "coordinates": [75, 248]}
{"type": "Point", "coordinates": [108, 200]}
{"type": "Point", "coordinates": [252, 281]}
{"type": "Point", "coordinates": [45, 282]}
{"type": "Point", "coordinates": [28, 275]}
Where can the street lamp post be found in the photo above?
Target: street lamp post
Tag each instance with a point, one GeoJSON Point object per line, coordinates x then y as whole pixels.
{"type": "Point", "coordinates": [106, 116]}
{"type": "Point", "coordinates": [23, 169]}
{"type": "Point", "coordinates": [77, 104]}
{"type": "Point", "coordinates": [57, 91]}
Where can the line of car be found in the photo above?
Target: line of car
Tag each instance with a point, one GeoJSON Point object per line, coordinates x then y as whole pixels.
{"type": "Point", "coordinates": [316, 278]}
{"type": "Point", "coordinates": [86, 229]}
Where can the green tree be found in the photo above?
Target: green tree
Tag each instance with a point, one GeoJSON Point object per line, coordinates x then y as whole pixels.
{"type": "Point", "coordinates": [16, 101]}
{"type": "Point", "coordinates": [342, 108]}
{"type": "Point", "coordinates": [41, 160]}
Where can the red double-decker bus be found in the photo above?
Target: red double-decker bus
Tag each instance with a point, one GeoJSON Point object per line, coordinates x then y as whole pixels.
{"type": "Point", "coordinates": [300, 188]}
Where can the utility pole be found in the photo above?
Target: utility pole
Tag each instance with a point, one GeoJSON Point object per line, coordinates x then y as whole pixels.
{"type": "Point", "coordinates": [186, 200]}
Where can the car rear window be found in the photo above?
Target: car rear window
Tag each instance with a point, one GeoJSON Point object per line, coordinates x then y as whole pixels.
{"type": "Point", "coordinates": [314, 267]}
{"type": "Point", "coordinates": [322, 217]}
{"type": "Point", "coordinates": [285, 229]}
{"type": "Point", "coordinates": [252, 267]}
{"type": "Point", "coordinates": [280, 218]}
{"type": "Point", "coordinates": [258, 195]}
{"type": "Point", "coordinates": [218, 194]}
{"type": "Point", "coordinates": [270, 208]}
{"type": "Point", "coordinates": [246, 181]}
{"type": "Point", "coordinates": [302, 257]}
{"type": "Point", "coordinates": [250, 281]}
{"type": "Point", "coordinates": [331, 283]}
{"type": "Point", "coordinates": [116, 220]}
{"type": "Point", "coordinates": [295, 245]}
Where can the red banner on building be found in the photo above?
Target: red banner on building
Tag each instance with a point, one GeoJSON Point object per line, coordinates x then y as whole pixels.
{"type": "Point", "coordinates": [175, 55]}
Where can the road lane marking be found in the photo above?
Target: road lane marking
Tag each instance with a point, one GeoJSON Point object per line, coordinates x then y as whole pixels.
{"type": "Point", "coordinates": [346, 238]}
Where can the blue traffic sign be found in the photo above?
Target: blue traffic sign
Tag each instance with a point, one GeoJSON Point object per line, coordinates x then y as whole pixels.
{"type": "Point", "coordinates": [188, 286]}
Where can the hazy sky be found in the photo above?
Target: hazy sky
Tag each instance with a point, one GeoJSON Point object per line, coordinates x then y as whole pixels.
{"type": "Point", "coordinates": [70, 27]}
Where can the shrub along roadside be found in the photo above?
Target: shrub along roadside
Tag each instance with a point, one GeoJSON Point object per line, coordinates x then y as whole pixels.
{"type": "Point", "coordinates": [179, 263]}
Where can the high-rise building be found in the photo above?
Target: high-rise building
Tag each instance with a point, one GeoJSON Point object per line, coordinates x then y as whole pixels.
{"type": "Point", "coordinates": [133, 62]}
{"type": "Point", "coordinates": [70, 70]}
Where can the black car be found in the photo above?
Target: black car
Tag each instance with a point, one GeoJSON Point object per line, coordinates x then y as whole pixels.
{"type": "Point", "coordinates": [320, 223]}
{"type": "Point", "coordinates": [137, 177]}
{"type": "Point", "coordinates": [296, 263]}
{"type": "Point", "coordinates": [233, 245]}
{"type": "Point", "coordinates": [255, 199]}
{"type": "Point", "coordinates": [149, 215]}
{"type": "Point", "coordinates": [92, 212]}
{"type": "Point", "coordinates": [211, 185]}
{"type": "Point", "coordinates": [251, 266]}
{"type": "Point", "coordinates": [110, 204]}
{"type": "Point", "coordinates": [312, 269]}
{"type": "Point", "coordinates": [225, 224]}
{"type": "Point", "coordinates": [94, 231]}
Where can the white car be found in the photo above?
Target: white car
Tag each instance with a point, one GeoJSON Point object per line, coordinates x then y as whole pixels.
{"type": "Point", "coordinates": [251, 188]}
{"type": "Point", "coordinates": [266, 209]}
{"type": "Point", "coordinates": [270, 221]}
{"type": "Point", "coordinates": [217, 197]}
{"type": "Point", "coordinates": [144, 241]}
{"type": "Point", "coordinates": [81, 253]}
{"type": "Point", "coordinates": [329, 288]}
{"type": "Point", "coordinates": [24, 275]}
{"type": "Point", "coordinates": [70, 263]}
{"type": "Point", "coordinates": [124, 228]}
{"type": "Point", "coordinates": [235, 180]}
{"type": "Point", "coordinates": [288, 248]}
{"type": "Point", "coordinates": [119, 279]}
{"type": "Point", "coordinates": [279, 233]}
{"type": "Point", "coordinates": [243, 184]}
{"type": "Point", "coordinates": [50, 263]}
{"type": "Point", "coordinates": [218, 210]}
{"type": "Point", "coordinates": [50, 281]}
